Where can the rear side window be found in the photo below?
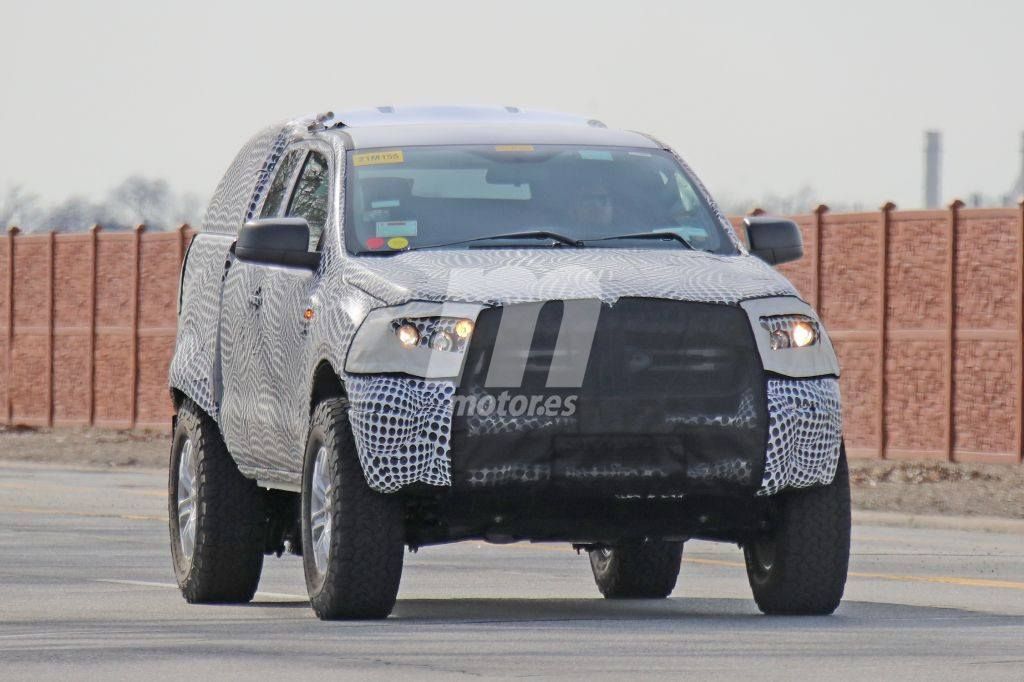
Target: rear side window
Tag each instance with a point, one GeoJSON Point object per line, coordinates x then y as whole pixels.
{"type": "Point", "coordinates": [279, 188]}
{"type": "Point", "coordinates": [309, 200]}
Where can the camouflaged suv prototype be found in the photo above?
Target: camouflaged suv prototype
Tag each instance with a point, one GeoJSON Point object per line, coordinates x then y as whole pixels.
{"type": "Point", "coordinates": [404, 327]}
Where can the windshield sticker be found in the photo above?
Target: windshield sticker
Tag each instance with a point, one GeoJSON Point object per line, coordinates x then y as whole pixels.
{"type": "Point", "coordinates": [398, 243]}
{"type": "Point", "coordinates": [692, 232]}
{"type": "Point", "coordinates": [376, 158]}
{"type": "Point", "coordinates": [513, 148]}
{"type": "Point", "coordinates": [595, 155]}
{"type": "Point", "coordinates": [375, 243]}
{"type": "Point", "coordinates": [695, 234]}
{"type": "Point", "coordinates": [396, 228]}
{"type": "Point", "coordinates": [389, 203]}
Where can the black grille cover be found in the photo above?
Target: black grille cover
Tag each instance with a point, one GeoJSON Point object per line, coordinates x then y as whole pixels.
{"type": "Point", "coordinates": [672, 402]}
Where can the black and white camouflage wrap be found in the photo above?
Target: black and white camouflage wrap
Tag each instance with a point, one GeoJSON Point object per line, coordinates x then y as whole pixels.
{"type": "Point", "coordinates": [247, 356]}
{"type": "Point", "coordinates": [402, 428]}
{"type": "Point", "coordinates": [805, 431]}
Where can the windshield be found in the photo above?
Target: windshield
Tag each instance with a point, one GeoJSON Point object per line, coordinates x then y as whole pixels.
{"type": "Point", "coordinates": [462, 197]}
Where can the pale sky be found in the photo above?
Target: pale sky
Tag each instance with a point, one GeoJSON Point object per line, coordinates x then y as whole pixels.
{"type": "Point", "coordinates": [760, 97]}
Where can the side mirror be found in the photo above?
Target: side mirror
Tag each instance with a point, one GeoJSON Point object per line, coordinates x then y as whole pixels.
{"type": "Point", "coordinates": [276, 241]}
{"type": "Point", "coordinates": [774, 240]}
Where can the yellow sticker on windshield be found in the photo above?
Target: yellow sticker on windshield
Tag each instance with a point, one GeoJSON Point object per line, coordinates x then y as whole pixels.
{"type": "Point", "coordinates": [398, 243]}
{"type": "Point", "coordinates": [514, 148]}
{"type": "Point", "coordinates": [374, 158]}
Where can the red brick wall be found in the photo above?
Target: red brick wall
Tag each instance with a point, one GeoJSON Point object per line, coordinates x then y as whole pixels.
{"type": "Point", "coordinates": [91, 329]}
{"type": "Point", "coordinates": [925, 309]}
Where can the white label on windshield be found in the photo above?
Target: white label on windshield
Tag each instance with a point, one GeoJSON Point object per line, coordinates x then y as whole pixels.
{"type": "Point", "coordinates": [396, 228]}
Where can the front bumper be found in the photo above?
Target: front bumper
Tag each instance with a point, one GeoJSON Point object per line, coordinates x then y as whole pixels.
{"type": "Point", "coordinates": [674, 401]}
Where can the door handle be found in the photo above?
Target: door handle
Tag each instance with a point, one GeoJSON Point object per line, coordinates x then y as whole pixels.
{"type": "Point", "coordinates": [256, 298]}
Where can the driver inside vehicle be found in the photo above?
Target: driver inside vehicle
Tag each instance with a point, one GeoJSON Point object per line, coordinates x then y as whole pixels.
{"type": "Point", "coordinates": [594, 207]}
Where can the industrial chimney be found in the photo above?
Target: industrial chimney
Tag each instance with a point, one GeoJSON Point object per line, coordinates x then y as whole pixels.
{"type": "Point", "coordinates": [1019, 191]}
{"type": "Point", "coordinates": [932, 169]}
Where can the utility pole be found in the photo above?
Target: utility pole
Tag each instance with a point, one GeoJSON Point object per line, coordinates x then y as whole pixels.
{"type": "Point", "coordinates": [1019, 189]}
{"type": "Point", "coordinates": [932, 169]}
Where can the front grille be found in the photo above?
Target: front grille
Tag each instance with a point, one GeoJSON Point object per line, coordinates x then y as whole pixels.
{"type": "Point", "coordinates": [662, 360]}
{"type": "Point", "coordinates": [670, 387]}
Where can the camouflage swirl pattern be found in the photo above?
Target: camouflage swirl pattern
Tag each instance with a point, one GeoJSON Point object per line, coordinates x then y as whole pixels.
{"type": "Point", "coordinates": [248, 357]}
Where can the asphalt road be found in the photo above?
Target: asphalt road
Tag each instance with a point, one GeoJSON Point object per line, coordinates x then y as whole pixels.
{"type": "Point", "coordinates": [87, 591]}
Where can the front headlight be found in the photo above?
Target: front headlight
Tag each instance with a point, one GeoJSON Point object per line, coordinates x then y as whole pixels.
{"type": "Point", "coordinates": [791, 331]}
{"type": "Point", "coordinates": [443, 334]}
{"type": "Point", "coordinates": [420, 338]}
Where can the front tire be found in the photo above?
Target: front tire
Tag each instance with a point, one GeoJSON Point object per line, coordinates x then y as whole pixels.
{"type": "Point", "coordinates": [216, 515]}
{"type": "Point", "coordinates": [353, 538]}
{"type": "Point", "coordinates": [639, 570]}
{"type": "Point", "coordinates": [800, 566]}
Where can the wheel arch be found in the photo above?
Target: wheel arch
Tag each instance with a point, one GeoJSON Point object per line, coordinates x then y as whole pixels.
{"type": "Point", "coordinates": [327, 383]}
{"type": "Point", "coordinates": [177, 398]}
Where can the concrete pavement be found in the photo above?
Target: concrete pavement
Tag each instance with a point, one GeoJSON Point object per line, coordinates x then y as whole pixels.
{"type": "Point", "coordinates": [86, 590]}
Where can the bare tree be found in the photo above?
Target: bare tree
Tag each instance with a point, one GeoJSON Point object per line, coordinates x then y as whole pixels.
{"type": "Point", "coordinates": [188, 210]}
{"type": "Point", "coordinates": [76, 214]}
{"type": "Point", "coordinates": [804, 200]}
{"type": "Point", "coordinates": [18, 207]}
{"type": "Point", "coordinates": [143, 200]}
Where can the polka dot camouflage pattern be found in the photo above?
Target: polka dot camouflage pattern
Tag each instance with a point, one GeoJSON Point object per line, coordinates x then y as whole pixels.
{"type": "Point", "coordinates": [736, 470]}
{"type": "Point", "coordinates": [402, 428]}
{"type": "Point", "coordinates": [518, 473]}
{"type": "Point", "coordinates": [805, 431]}
{"type": "Point", "coordinates": [745, 416]}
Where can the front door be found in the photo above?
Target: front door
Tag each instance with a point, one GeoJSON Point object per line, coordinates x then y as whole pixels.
{"type": "Point", "coordinates": [284, 345]}
{"type": "Point", "coordinates": [254, 303]}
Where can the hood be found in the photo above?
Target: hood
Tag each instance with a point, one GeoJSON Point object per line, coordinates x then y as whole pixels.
{"type": "Point", "coordinates": [505, 276]}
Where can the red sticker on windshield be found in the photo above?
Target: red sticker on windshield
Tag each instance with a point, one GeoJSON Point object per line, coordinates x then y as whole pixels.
{"type": "Point", "coordinates": [375, 243]}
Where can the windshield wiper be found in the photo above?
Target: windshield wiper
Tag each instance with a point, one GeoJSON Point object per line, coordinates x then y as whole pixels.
{"type": "Point", "coordinates": [667, 234]}
{"type": "Point", "coordinates": [527, 234]}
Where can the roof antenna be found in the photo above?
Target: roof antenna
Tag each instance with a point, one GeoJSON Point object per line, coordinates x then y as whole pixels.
{"type": "Point", "coordinates": [318, 121]}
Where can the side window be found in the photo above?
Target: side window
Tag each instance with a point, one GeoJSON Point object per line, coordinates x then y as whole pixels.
{"type": "Point", "coordinates": [278, 188]}
{"type": "Point", "coordinates": [309, 200]}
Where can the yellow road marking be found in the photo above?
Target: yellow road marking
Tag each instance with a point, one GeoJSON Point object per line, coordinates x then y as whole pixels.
{"type": "Point", "coordinates": [939, 579]}
{"type": "Point", "coordinates": [936, 579]}
{"type": "Point", "coordinates": [944, 580]}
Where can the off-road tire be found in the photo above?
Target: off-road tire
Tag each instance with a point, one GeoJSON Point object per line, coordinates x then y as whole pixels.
{"type": "Point", "coordinates": [230, 520]}
{"type": "Point", "coordinates": [640, 570]}
{"type": "Point", "coordinates": [799, 567]}
{"type": "Point", "coordinates": [367, 536]}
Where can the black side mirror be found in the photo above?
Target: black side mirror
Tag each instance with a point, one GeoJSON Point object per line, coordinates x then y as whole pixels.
{"type": "Point", "coordinates": [774, 240]}
{"type": "Point", "coordinates": [277, 241]}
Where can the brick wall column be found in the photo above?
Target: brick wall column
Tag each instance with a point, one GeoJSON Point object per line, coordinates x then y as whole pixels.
{"type": "Point", "coordinates": [1020, 335]}
{"type": "Point", "coordinates": [954, 221]}
{"type": "Point", "coordinates": [182, 241]}
{"type": "Point", "coordinates": [133, 408]}
{"type": "Point", "coordinates": [819, 219]}
{"type": "Point", "coordinates": [91, 359]}
{"type": "Point", "coordinates": [11, 232]}
{"type": "Point", "coordinates": [50, 305]}
{"type": "Point", "coordinates": [883, 327]}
